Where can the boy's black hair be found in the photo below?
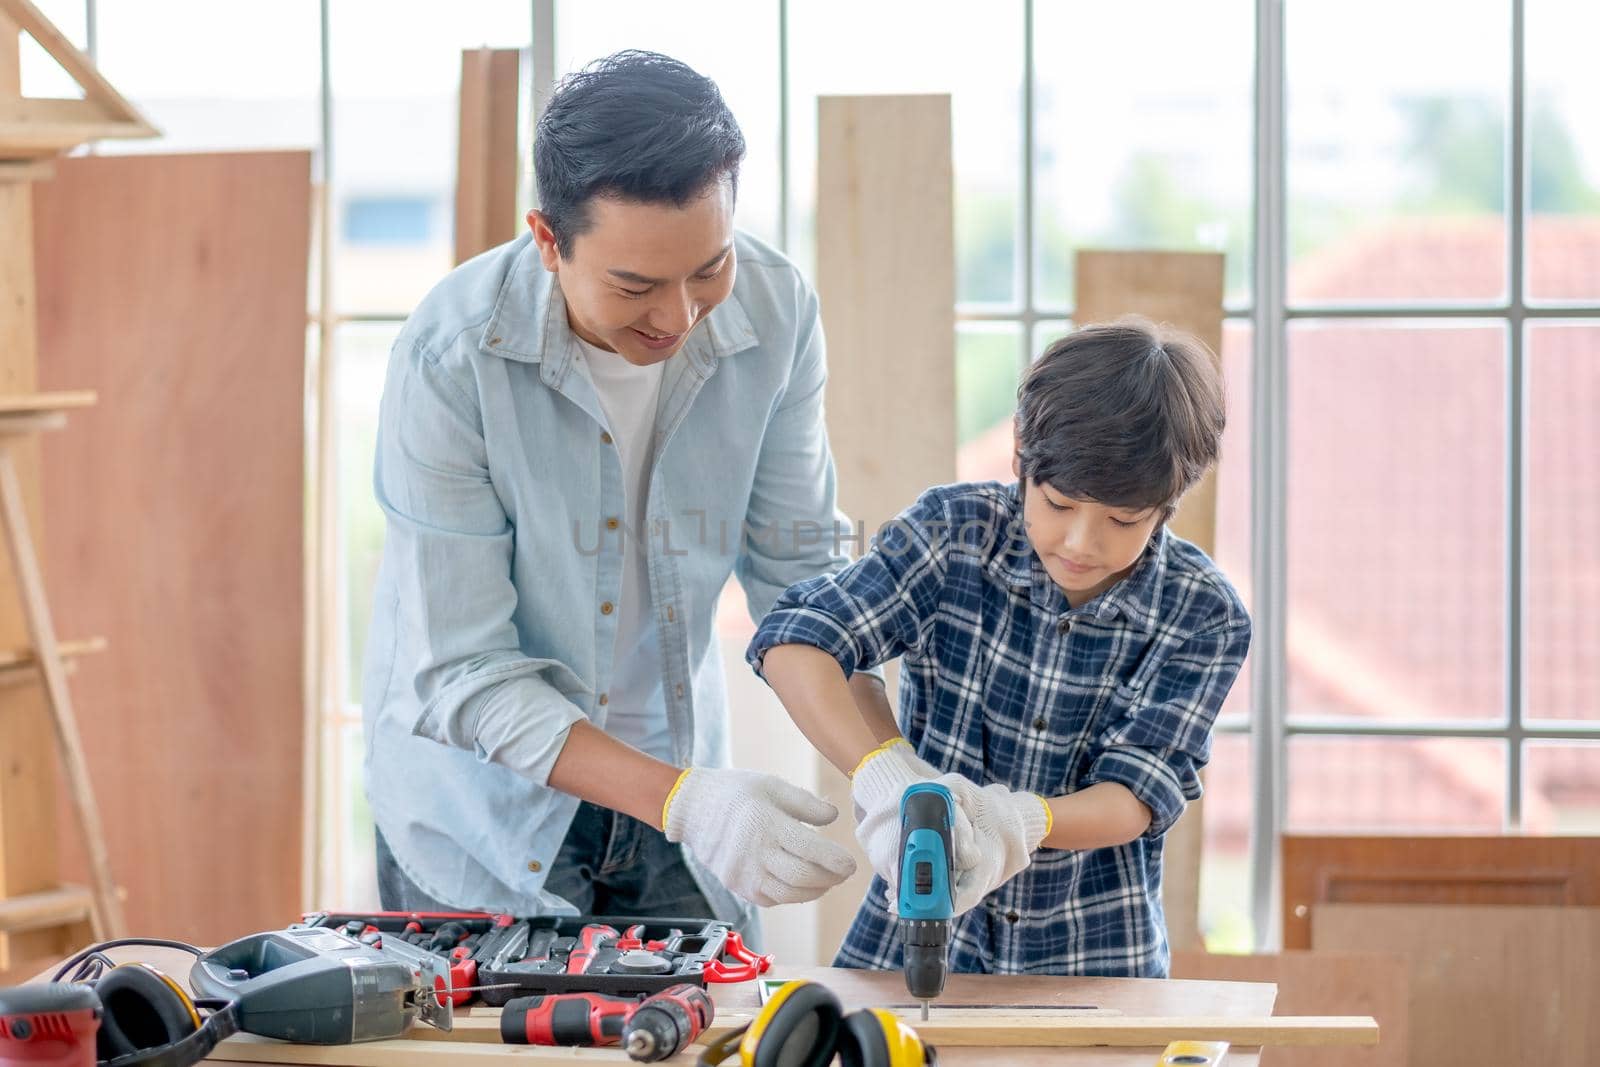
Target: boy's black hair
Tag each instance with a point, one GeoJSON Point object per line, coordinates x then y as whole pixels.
{"type": "Point", "coordinates": [1127, 414]}
{"type": "Point", "coordinates": [635, 125]}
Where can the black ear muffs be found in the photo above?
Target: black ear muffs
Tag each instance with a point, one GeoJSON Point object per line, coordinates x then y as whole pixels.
{"type": "Point", "coordinates": [141, 1009]}
{"type": "Point", "coordinates": [803, 1025]}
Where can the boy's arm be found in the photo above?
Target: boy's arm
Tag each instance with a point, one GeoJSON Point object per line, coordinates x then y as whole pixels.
{"type": "Point", "coordinates": [1148, 767]}
{"type": "Point", "coordinates": [1153, 748]}
{"type": "Point", "coordinates": [843, 720]}
{"type": "Point", "coordinates": [822, 631]}
{"type": "Point", "coordinates": [1101, 816]}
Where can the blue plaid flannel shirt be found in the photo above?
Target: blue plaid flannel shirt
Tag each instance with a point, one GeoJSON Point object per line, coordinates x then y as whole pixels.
{"type": "Point", "coordinates": [1003, 681]}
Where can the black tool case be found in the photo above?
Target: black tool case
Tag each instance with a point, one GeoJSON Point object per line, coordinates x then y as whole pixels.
{"type": "Point", "coordinates": [551, 954]}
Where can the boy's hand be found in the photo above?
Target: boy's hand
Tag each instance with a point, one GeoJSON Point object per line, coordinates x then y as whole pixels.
{"type": "Point", "coordinates": [754, 831]}
{"type": "Point", "coordinates": [876, 787]}
{"type": "Point", "coordinates": [1009, 826]}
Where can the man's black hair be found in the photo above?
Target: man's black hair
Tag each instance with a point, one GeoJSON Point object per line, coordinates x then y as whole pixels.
{"type": "Point", "coordinates": [635, 125]}
{"type": "Point", "coordinates": [1126, 414]}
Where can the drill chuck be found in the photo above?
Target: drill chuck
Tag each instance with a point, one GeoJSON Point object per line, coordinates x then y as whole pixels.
{"type": "Point", "coordinates": [927, 950]}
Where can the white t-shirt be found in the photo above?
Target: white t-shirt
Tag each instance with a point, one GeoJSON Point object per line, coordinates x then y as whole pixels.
{"type": "Point", "coordinates": [635, 710]}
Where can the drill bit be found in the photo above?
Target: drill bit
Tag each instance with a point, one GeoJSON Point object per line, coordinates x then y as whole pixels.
{"type": "Point", "coordinates": [924, 1011]}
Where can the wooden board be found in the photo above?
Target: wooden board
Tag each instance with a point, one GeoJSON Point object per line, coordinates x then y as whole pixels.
{"type": "Point", "coordinates": [1184, 290]}
{"type": "Point", "coordinates": [1490, 985]}
{"type": "Point", "coordinates": [999, 1027]}
{"type": "Point", "coordinates": [28, 826]}
{"type": "Point", "coordinates": [486, 157]}
{"type": "Point", "coordinates": [31, 403]}
{"type": "Point", "coordinates": [858, 989]}
{"type": "Point", "coordinates": [1460, 870]}
{"type": "Point", "coordinates": [175, 286]}
{"type": "Point", "coordinates": [1321, 983]}
{"type": "Point", "coordinates": [886, 280]}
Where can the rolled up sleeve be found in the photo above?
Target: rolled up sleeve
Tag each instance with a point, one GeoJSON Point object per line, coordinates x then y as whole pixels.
{"type": "Point", "coordinates": [448, 548]}
{"type": "Point", "coordinates": [1159, 736]}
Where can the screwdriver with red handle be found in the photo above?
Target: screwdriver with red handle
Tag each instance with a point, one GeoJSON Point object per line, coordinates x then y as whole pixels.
{"type": "Point", "coordinates": [660, 1026]}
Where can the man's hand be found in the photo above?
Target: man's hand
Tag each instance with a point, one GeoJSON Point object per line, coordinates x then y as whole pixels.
{"type": "Point", "coordinates": [876, 788]}
{"type": "Point", "coordinates": [754, 831]}
{"type": "Point", "coordinates": [1009, 826]}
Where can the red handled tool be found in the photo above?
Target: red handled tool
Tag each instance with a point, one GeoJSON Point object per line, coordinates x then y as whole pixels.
{"type": "Point", "coordinates": [50, 1025]}
{"type": "Point", "coordinates": [749, 966]}
{"type": "Point", "coordinates": [667, 1022]}
{"type": "Point", "coordinates": [565, 1019]}
{"type": "Point", "coordinates": [594, 937]}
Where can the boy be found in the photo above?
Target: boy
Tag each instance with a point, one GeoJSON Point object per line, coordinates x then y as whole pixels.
{"type": "Point", "coordinates": [1064, 656]}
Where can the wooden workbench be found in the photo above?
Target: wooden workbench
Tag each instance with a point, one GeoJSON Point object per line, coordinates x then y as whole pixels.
{"type": "Point", "coordinates": [860, 989]}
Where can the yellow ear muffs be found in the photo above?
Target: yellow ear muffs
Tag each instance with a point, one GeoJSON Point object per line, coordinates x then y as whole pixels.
{"type": "Point", "coordinates": [877, 1038]}
{"type": "Point", "coordinates": [797, 1027]}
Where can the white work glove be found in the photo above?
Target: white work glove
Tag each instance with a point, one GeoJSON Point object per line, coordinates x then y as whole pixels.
{"type": "Point", "coordinates": [1009, 826]}
{"type": "Point", "coordinates": [876, 787]}
{"type": "Point", "coordinates": [754, 832]}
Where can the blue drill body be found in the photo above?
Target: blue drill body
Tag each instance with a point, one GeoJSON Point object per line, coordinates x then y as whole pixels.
{"type": "Point", "coordinates": [927, 887]}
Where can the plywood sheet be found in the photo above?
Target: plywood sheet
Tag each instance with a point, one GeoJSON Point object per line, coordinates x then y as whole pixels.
{"type": "Point", "coordinates": [886, 281]}
{"type": "Point", "coordinates": [1454, 870]}
{"type": "Point", "coordinates": [1321, 983]}
{"type": "Point", "coordinates": [1491, 985]}
{"type": "Point", "coordinates": [175, 287]}
{"type": "Point", "coordinates": [486, 150]}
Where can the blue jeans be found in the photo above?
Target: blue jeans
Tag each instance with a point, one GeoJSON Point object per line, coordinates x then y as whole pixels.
{"type": "Point", "coordinates": [609, 864]}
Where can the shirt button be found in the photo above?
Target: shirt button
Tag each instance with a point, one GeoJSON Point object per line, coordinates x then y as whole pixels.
{"type": "Point", "coordinates": [1012, 917]}
{"type": "Point", "coordinates": [606, 608]}
{"type": "Point", "coordinates": [605, 437]}
{"type": "Point", "coordinates": [670, 615]}
{"type": "Point", "coordinates": [535, 866]}
{"type": "Point", "coordinates": [1064, 627]}
{"type": "Point", "coordinates": [679, 690]}
{"type": "Point", "coordinates": [1038, 724]}
{"type": "Point", "coordinates": [605, 698]}
{"type": "Point", "coordinates": [612, 524]}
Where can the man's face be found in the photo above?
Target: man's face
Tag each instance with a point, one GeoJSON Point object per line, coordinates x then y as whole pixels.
{"type": "Point", "coordinates": [643, 275]}
{"type": "Point", "coordinates": [1086, 547]}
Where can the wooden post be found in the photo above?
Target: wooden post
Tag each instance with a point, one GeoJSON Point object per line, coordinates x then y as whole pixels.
{"type": "Point", "coordinates": [47, 653]}
{"type": "Point", "coordinates": [486, 159]}
{"type": "Point", "coordinates": [28, 854]}
{"type": "Point", "coordinates": [886, 280]}
{"type": "Point", "coordinates": [32, 131]}
{"type": "Point", "coordinates": [1182, 289]}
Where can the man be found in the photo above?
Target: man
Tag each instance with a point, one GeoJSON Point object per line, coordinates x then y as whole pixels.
{"type": "Point", "coordinates": [583, 433]}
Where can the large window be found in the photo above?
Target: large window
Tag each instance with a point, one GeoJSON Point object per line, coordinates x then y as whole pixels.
{"type": "Point", "coordinates": [1410, 210]}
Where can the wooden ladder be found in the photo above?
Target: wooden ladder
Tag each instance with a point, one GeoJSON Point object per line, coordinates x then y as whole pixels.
{"type": "Point", "coordinates": [64, 906]}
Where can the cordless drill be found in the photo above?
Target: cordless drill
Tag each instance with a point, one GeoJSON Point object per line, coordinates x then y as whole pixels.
{"type": "Point", "coordinates": [927, 887]}
{"type": "Point", "coordinates": [656, 1028]}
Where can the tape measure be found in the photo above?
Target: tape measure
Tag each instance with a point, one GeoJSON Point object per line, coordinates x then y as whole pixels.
{"type": "Point", "coordinates": [1193, 1054]}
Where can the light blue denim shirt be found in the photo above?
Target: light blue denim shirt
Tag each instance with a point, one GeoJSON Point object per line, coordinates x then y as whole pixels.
{"type": "Point", "coordinates": [493, 622]}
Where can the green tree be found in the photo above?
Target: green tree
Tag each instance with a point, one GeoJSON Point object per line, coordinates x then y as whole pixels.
{"type": "Point", "coordinates": [1460, 147]}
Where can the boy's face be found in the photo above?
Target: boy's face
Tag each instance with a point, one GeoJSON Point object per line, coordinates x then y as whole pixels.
{"type": "Point", "coordinates": [643, 275]}
{"type": "Point", "coordinates": [1086, 547]}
